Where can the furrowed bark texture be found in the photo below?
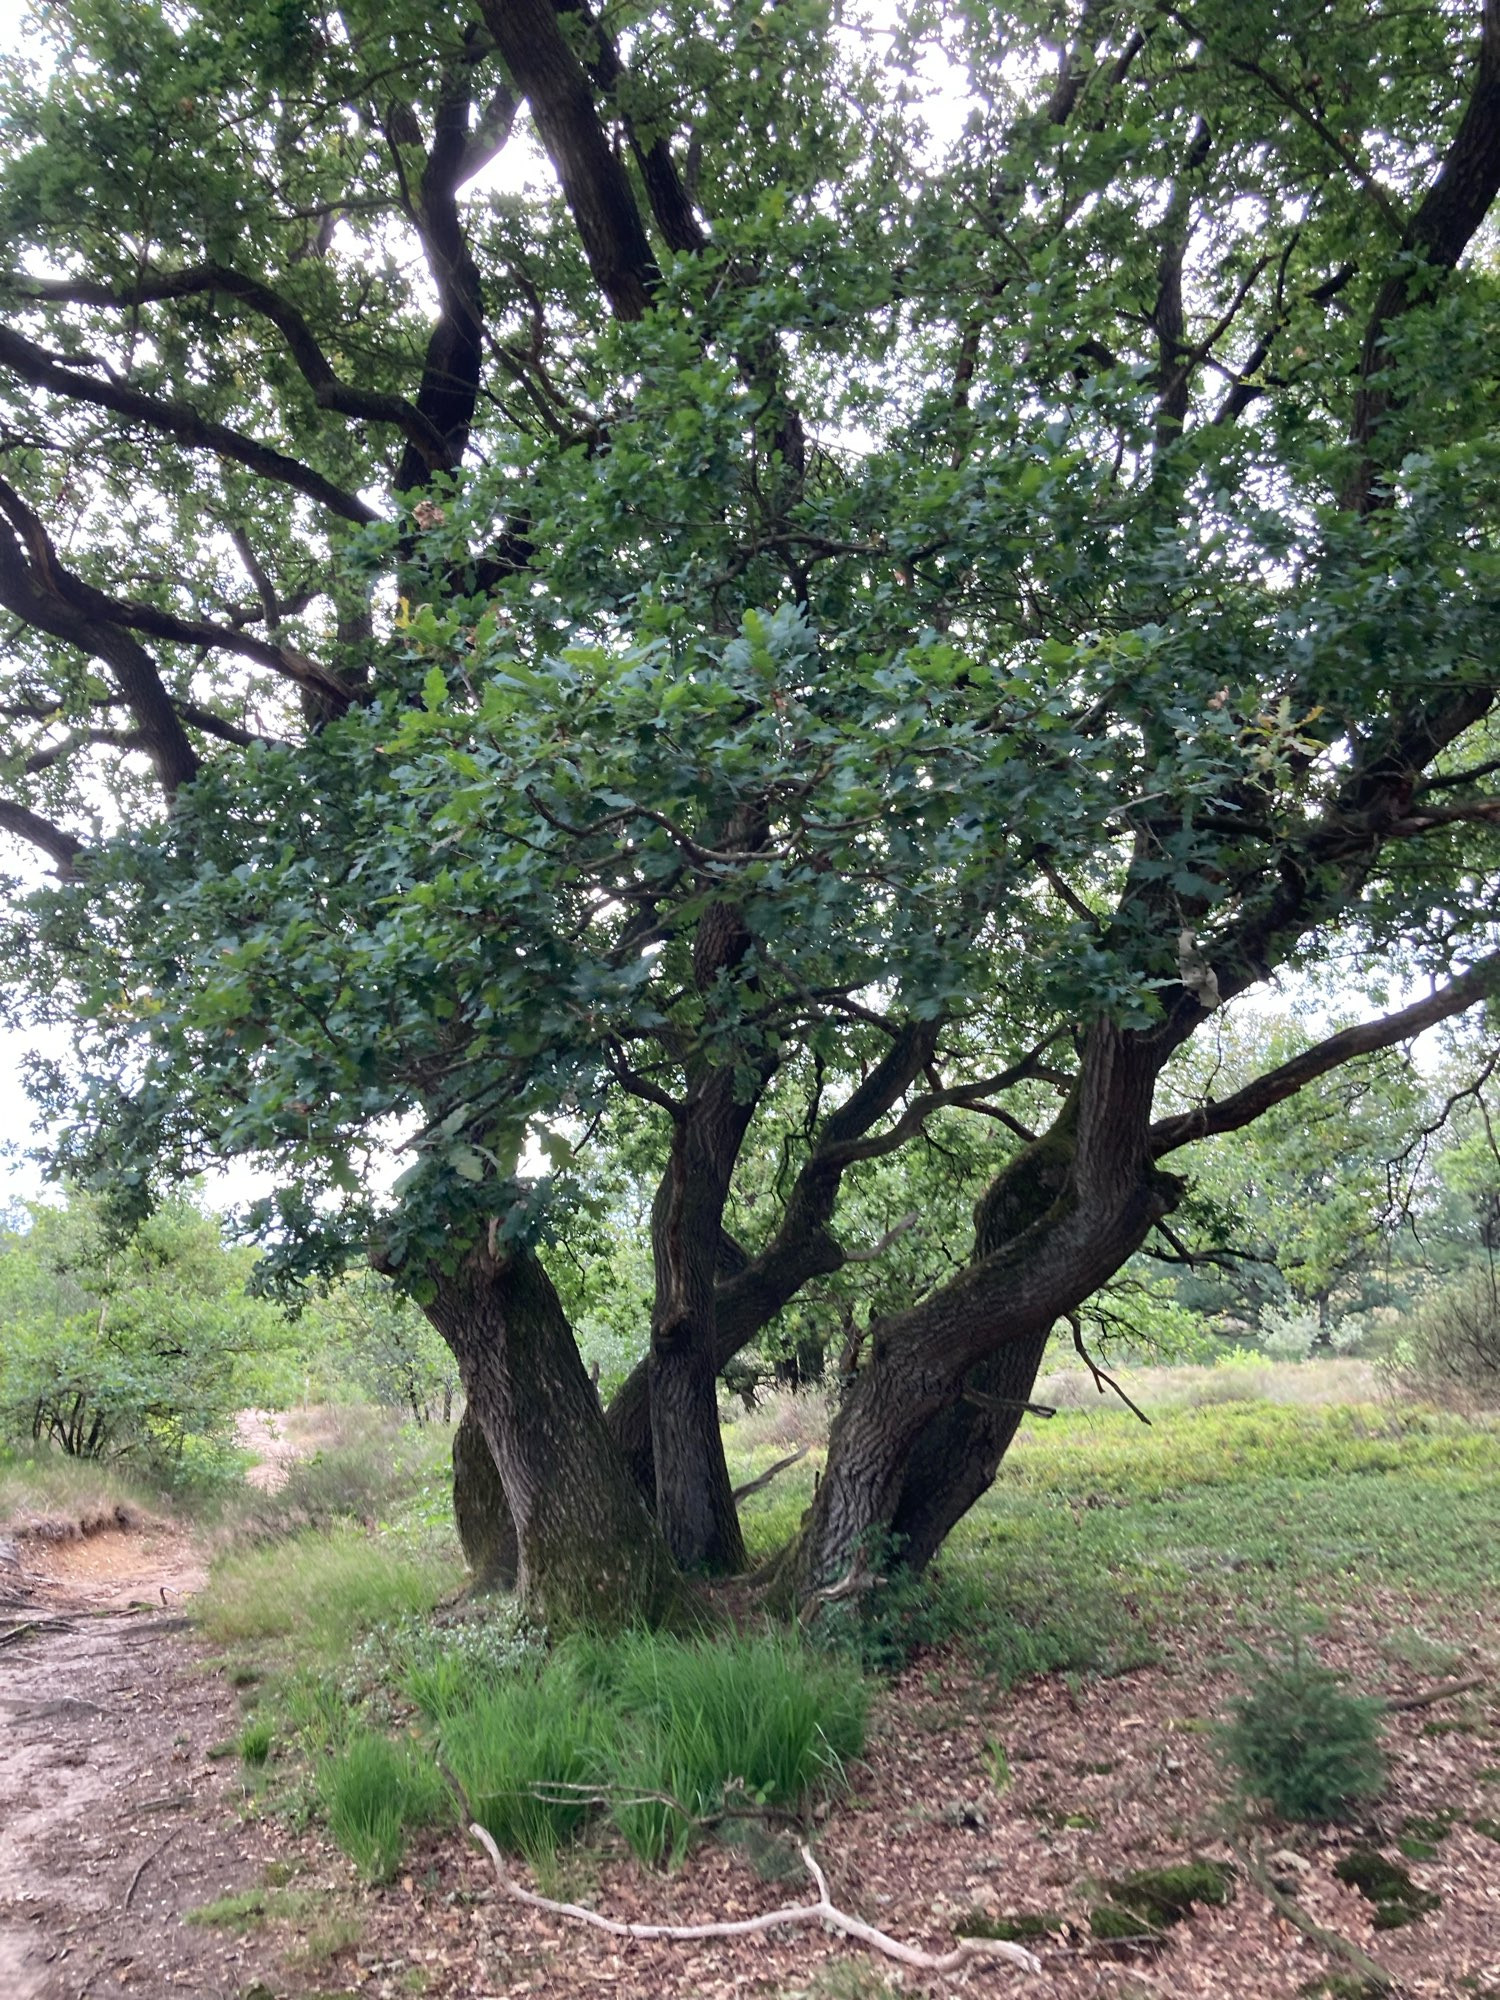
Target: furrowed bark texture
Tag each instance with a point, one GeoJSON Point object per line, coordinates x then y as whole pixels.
{"type": "Point", "coordinates": [694, 1503]}
{"type": "Point", "coordinates": [587, 1550]}
{"type": "Point", "coordinates": [904, 1447]}
{"type": "Point", "coordinates": [486, 1532]}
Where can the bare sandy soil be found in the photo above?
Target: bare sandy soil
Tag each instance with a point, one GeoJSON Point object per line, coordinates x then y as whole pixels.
{"type": "Point", "coordinates": [113, 1820]}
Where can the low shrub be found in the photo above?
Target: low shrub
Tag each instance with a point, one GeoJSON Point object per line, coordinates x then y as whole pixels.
{"type": "Point", "coordinates": [694, 1717]}
{"type": "Point", "coordinates": [1450, 1352]}
{"type": "Point", "coordinates": [1300, 1741]}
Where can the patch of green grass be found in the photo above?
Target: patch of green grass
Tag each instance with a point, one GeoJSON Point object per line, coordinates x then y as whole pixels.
{"type": "Point", "coordinates": [692, 1715]}
{"type": "Point", "coordinates": [374, 1792]}
{"type": "Point", "coordinates": [320, 1590]}
{"type": "Point", "coordinates": [255, 1741]}
{"type": "Point", "coordinates": [1245, 1504]}
{"type": "Point", "coordinates": [537, 1735]}
{"type": "Point", "coordinates": [75, 1495]}
{"type": "Point", "coordinates": [659, 1730]}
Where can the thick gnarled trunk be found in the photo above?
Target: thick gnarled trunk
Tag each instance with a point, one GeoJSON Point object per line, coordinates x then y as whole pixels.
{"type": "Point", "coordinates": [587, 1550]}
{"type": "Point", "coordinates": [908, 1454]}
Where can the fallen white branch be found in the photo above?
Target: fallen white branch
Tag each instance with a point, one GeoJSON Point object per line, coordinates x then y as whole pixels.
{"type": "Point", "coordinates": [821, 1912]}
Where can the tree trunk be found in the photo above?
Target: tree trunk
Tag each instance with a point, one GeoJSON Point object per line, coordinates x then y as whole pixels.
{"type": "Point", "coordinates": [954, 1461]}
{"type": "Point", "coordinates": [587, 1551]}
{"type": "Point", "coordinates": [694, 1502]}
{"type": "Point", "coordinates": [903, 1422]}
{"type": "Point", "coordinates": [485, 1528]}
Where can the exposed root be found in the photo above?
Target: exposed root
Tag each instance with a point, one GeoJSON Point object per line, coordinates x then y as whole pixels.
{"type": "Point", "coordinates": [820, 1912]}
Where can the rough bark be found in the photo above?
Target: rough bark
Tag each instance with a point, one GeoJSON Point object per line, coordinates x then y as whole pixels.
{"type": "Point", "coordinates": [694, 1503]}
{"type": "Point", "coordinates": [919, 1363]}
{"type": "Point", "coordinates": [587, 1550]}
{"type": "Point", "coordinates": [486, 1531]}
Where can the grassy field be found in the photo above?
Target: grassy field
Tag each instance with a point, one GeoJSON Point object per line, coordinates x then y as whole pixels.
{"type": "Point", "coordinates": [1102, 1532]}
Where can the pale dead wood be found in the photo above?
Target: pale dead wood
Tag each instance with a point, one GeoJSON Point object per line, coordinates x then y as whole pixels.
{"type": "Point", "coordinates": [821, 1912]}
{"type": "Point", "coordinates": [1332, 1942]}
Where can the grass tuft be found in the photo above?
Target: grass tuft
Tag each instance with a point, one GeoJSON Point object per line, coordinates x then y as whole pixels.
{"type": "Point", "coordinates": [374, 1792]}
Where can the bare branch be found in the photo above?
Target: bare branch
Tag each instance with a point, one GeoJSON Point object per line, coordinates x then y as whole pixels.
{"type": "Point", "coordinates": [821, 1912]}
{"type": "Point", "coordinates": [1243, 1107]}
{"type": "Point", "coordinates": [329, 392]}
{"type": "Point", "coordinates": [66, 849]}
{"type": "Point", "coordinates": [170, 418]}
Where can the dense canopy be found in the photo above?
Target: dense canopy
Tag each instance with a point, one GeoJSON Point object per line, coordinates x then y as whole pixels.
{"type": "Point", "coordinates": [748, 585]}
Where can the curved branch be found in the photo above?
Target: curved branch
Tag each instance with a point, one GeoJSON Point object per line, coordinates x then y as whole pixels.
{"type": "Point", "coordinates": [329, 392]}
{"type": "Point", "coordinates": [65, 848]}
{"type": "Point", "coordinates": [1243, 1107]}
{"type": "Point", "coordinates": [171, 418]}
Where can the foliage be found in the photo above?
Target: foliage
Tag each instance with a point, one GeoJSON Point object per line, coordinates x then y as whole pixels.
{"type": "Point", "coordinates": [1315, 1212]}
{"type": "Point", "coordinates": [788, 658]}
{"type": "Point", "coordinates": [374, 1791]}
{"type": "Point", "coordinates": [1449, 1350]}
{"type": "Point", "coordinates": [139, 1345]}
{"type": "Point", "coordinates": [366, 1333]}
{"type": "Point", "coordinates": [1300, 1741]}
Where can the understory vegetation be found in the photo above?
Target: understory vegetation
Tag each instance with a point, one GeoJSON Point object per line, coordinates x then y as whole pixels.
{"type": "Point", "coordinates": [383, 1704]}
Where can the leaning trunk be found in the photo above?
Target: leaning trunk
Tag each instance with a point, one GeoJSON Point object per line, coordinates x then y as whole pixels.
{"type": "Point", "coordinates": [905, 1447]}
{"type": "Point", "coordinates": [486, 1532]}
{"type": "Point", "coordinates": [587, 1551]}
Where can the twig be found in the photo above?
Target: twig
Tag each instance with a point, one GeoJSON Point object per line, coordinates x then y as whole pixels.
{"type": "Point", "coordinates": [140, 1871]}
{"type": "Point", "coordinates": [1444, 1691]}
{"type": "Point", "coordinates": [1099, 1375]}
{"type": "Point", "coordinates": [1331, 1941]}
{"type": "Point", "coordinates": [754, 1485]}
{"type": "Point", "coordinates": [981, 1401]}
{"type": "Point", "coordinates": [892, 1235]}
{"type": "Point", "coordinates": [821, 1912]}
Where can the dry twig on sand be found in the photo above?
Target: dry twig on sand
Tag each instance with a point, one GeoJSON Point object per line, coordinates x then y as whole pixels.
{"type": "Point", "coordinates": [821, 1912]}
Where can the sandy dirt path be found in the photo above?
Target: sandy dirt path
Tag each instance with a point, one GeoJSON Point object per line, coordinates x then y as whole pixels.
{"type": "Point", "coordinates": [113, 1820]}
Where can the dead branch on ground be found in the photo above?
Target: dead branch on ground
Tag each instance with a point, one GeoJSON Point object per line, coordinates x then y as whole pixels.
{"type": "Point", "coordinates": [820, 1912]}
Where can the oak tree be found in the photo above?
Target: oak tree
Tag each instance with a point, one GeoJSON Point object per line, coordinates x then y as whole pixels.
{"type": "Point", "coordinates": [713, 568]}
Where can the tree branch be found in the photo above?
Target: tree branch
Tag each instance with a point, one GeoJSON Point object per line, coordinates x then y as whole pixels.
{"type": "Point", "coordinates": [178, 420]}
{"type": "Point", "coordinates": [329, 392]}
{"type": "Point", "coordinates": [65, 848]}
{"type": "Point", "coordinates": [1243, 1107]}
{"type": "Point", "coordinates": [820, 1912]}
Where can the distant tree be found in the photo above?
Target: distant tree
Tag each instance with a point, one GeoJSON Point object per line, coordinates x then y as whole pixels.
{"type": "Point", "coordinates": [143, 1347]}
{"type": "Point", "coordinates": [1317, 1207]}
{"type": "Point", "coordinates": [380, 1341]}
{"type": "Point", "coordinates": [768, 595]}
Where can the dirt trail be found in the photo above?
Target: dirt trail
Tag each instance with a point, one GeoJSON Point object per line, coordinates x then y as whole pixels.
{"type": "Point", "coordinates": [113, 1821]}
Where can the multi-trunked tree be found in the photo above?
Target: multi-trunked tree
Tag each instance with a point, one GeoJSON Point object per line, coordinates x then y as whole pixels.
{"type": "Point", "coordinates": [735, 579]}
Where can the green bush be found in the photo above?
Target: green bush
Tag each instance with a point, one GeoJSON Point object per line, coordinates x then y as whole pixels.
{"type": "Point", "coordinates": [375, 1791]}
{"type": "Point", "coordinates": [1450, 1352]}
{"type": "Point", "coordinates": [145, 1343]}
{"type": "Point", "coordinates": [1300, 1741]}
